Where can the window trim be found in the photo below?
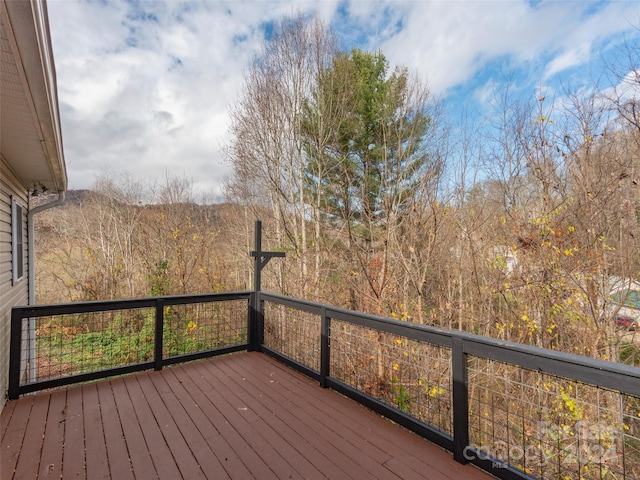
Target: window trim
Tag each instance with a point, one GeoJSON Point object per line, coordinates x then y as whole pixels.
{"type": "Point", "coordinates": [17, 241]}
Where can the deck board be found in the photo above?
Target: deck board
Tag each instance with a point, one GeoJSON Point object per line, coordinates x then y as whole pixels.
{"type": "Point", "coordinates": [208, 400]}
{"type": "Point", "coordinates": [252, 435]}
{"type": "Point", "coordinates": [28, 460]}
{"type": "Point", "coordinates": [13, 436]}
{"type": "Point", "coordinates": [206, 417]}
{"type": "Point", "coordinates": [318, 420]}
{"type": "Point", "coordinates": [118, 454]}
{"type": "Point", "coordinates": [240, 416]}
{"type": "Point", "coordinates": [159, 451]}
{"type": "Point", "coordinates": [185, 461]}
{"type": "Point", "coordinates": [296, 431]}
{"type": "Point", "coordinates": [97, 464]}
{"type": "Point", "coordinates": [188, 429]}
{"type": "Point", "coordinates": [139, 455]}
{"type": "Point", "coordinates": [73, 458]}
{"type": "Point", "coordinates": [289, 461]}
{"type": "Point", "coordinates": [53, 440]}
{"type": "Point", "coordinates": [5, 418]}
{"type": "Point", "coordinates": [325, 414]}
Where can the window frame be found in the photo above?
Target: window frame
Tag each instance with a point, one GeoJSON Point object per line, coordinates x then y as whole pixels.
{"type": "Point", "coordinates": [17, 241]}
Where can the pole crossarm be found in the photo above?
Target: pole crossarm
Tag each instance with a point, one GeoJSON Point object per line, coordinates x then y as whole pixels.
{"type": "Point", "coordinates": [261, 258]}
{"type": "Point", "coordinates": [266, 256]}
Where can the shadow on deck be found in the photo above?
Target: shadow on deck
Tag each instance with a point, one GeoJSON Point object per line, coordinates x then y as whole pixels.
{"type": "Point", "coordinates": [243, 415]}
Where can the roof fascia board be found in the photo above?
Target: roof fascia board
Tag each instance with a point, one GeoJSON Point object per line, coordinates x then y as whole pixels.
{"type": "Point", "coordinates": [30, 29]}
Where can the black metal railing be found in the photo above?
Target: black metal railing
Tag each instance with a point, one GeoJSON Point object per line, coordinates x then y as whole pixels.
{"type": "Point", "coordinates": [514, 410]}
{"type": "Point", "coordinates": [55, 345]}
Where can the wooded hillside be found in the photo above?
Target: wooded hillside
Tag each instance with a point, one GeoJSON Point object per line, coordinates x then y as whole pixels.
{"type": "Point", "coordinates": [519, 228]}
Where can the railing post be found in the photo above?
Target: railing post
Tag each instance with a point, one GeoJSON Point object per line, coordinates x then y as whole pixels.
{"type": "Point", "coordinates": [256, 319]}
{"type": "Point", "coordinates": [260, 323]}
{"type": "Point", "coordinates": [255, 313]}
{"type": "Point", "coordinates": [460, 401]}
{"type": "Point", "coordinates": [159, 334]}
{"type": "Point", "coordinates": [14, 353]}
{"type": "Point", "coordinates": [325, 348]}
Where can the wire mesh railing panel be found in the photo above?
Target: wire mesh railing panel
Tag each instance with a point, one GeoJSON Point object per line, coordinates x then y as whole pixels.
{"type": "Point", "coordinates": [412, 376]}
{"type": "Point", "coordinates": [631, 436]}
{"type": "Point", "coordinates": [198, 327]}
{"type": "Point", "coordinates": [552, 427]}
{"type": "Point", "coordinates": [68, 344]}
{"type": "Point", "coordinates": [293, 333]}
{"type": "Point", "coordinates": [73, 344]}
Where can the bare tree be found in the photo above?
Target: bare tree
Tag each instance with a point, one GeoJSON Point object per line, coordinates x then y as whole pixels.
{"type": "Point", "coordinates": [107, 230]}
{"type": "Point", "coordinates": [624, 94]}
{"type": "Point", "coordinates": [268, 154]}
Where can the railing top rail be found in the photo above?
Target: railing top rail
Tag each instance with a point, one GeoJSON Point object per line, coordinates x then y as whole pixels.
{"type": "Point", "coordinates": [625, 378]}
{"type": "Point", "coordinates": [613, 375]}
{"type": "Point", "coordinates": [124, 304]}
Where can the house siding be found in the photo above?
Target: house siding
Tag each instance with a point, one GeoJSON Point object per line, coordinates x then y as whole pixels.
{"type": "Point", "coordinates": [10, 295]}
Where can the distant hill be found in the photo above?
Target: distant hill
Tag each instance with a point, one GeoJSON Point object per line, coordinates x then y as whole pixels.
{"type": "Point", "coordinates": [72, 198]}
{"type": "Point", "coordinates": [77, 200]}
{"type": "Point", "coordinates": [77, 197]}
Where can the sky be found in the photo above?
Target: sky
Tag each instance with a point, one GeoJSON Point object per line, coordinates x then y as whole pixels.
{"type": "Point", "coordinates": [145, 87]}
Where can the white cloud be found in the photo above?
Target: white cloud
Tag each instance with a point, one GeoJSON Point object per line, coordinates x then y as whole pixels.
{"type": "Point", "coordinates": [145, 87]}
{"type": "Point", "coordinates": [450, 42]}
{"type": "Point", "coordinates": [568, 59]}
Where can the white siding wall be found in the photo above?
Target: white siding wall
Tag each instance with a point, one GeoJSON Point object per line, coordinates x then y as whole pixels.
{"type": "Point", "coordinates": [10, 295]}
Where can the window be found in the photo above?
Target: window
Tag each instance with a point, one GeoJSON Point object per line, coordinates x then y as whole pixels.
{"type": "Point", "coordinates": [17, 239]}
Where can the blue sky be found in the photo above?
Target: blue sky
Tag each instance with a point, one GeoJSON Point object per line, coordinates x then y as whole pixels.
{"type": "Point", "coordinates": [145, 87]}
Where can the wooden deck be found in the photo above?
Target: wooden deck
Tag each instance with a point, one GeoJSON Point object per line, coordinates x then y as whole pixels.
{"type": "Point", "coordinates": [239, 416]}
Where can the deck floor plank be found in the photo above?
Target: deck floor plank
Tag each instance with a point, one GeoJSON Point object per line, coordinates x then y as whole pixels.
{"type": "Point", "coordinates": [117, 451]}
{"type": "Point", "coordinates": [296, 431]}
{"type": "Point", "coordinates": [207, 459]}
{"type": "Point", "coordinates": [73, 453]}
{"type": "Point", "coordinates": [53, 442]}
{"type": "Point", "coordinates": [13, 436]}
{"type": "Point", "coordinates": [139, 455]}
{"type": "Point", "coordinates": [251, 460]}
{"type": "Point", "coordinates": [207, 419]}
{"type": "Point", "coordinates": [236, 413]}
{"type": "Point", "coordinates": [261, 419]}
{"type": "Point", "coordinates": [324, 411]}
{"type": "Point", "coordinates": [6, 418]}
{"type": "Point", "coordinates": [97, 462]}
{"type": "Point", "coordinates": [239, 416]}
{"type": "Point", "coordinates": [180, 450]}
{"type": "Point", "coordinates": [302, 429]}
{"type": "Point", "coordinates": [164, 463]}
{"type": "Point", "coordinates": [29, 459]}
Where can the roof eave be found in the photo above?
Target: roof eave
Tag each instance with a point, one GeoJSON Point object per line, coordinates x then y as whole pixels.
{"type": "Point", "coordinates": [30, 27]}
